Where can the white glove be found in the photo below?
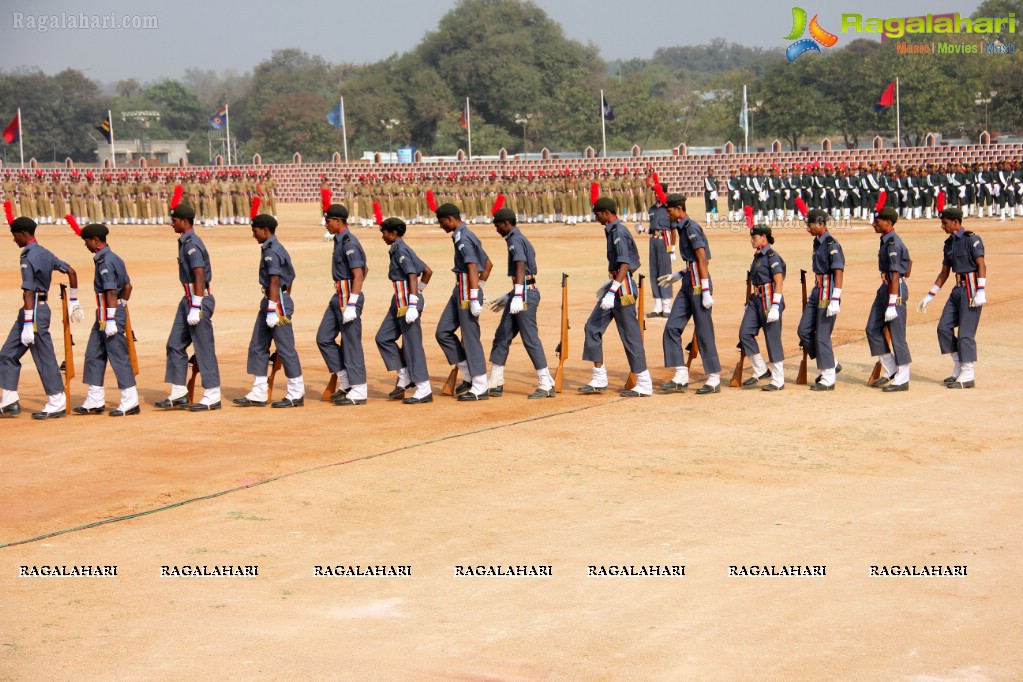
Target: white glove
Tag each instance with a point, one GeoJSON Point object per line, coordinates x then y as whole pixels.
{"type": "Point", "coordinates": [421, 287]}
{"type": "Point", "coordinates": [665, 280]}
{"type": "Point", "coordinates": [411, 315]}
{"type": "Point", "coordinates": [475, 307]}
{"type": "Point", "coordinates": [500, 302]}
{"type": "Point", "coordinates": [921, 307]}
{"type": "Point", "coordinates": [350, 312]}
{"type": "Point", "coordinates": [76, 313]}
{"type": "Point", "coordinates": [608, 301]}
{"type": "Point", "coordinates": [834, 307]}
{"type": "Point", "coordinates": [640, 229]}
{"type": "Point", "coordinates": [272, 318]}
{"type": "Point", "coordinates": [707, 299]}
{"type": "Point", "coordinates": [890, 313]}
{"type": "Point", "coordinates": [195, 313]}
{"type": "Point", "coordinates": [714, 195]}
{"type": "Point", "coordinates": [28, 334]}
{"type": "Point", "coordinates": [111, 327]}
{"type": "Point", "coordinates": [979, 299]}
{"type": "Point", "coordinates": [674, 254]}
{"type": "Point", "coordinates": [735, 195]}
{"type": "Point", "coordinates": [962, 190]}
{"type": "Point", "coordinates": [774, 314]}
{"type": "Point", "coordinates": [518, 305]}
{"type": "Point", "coordinates": [327, 236]}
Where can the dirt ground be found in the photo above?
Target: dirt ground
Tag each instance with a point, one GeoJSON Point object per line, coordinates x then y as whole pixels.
{"type": "Point", "coordinates": [844, 480]}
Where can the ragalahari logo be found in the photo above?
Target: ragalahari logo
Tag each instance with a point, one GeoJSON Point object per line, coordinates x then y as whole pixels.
{"type": "Point", "coordinates": [802, 45]}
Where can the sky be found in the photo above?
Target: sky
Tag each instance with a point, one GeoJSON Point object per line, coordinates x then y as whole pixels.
{"type": "Point", "coordinates": [227, 36]}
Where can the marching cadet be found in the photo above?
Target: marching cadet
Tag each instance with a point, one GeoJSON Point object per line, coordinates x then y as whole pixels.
{"type": "Point", "coordinates": [273, 321]}
{"type": "Point", "coordinates": [409, 276]}
{"type": "Point", "coordinates": [472, 268]}
{"type": "Point", "coordinates": [662, 253]}
{"type": "Point", "coordinates": [344, 311]}
{"type": "Point", "coordinates": [616, 300]}
{"type": "Point", "coordinates": [963, 254]}
{"type": "Point", "coordinates": [763, 311]}
{"type": "Point", "coordinates": [31, 331]}
{"type": "Point", "coordinates": [818, 318]}
{"type": "Point", "coordinates": [108, 340]}
{"type": "Point", "coordinates": [889, 307]}
{"type": "Point", "coordinates": [193, 320]}
{"type": "Point", "coordinates": [710, 197]}
{"type": "Point", "coordinates": [519, 310]}
{"type": "Point", "coordinates": [694, 300]}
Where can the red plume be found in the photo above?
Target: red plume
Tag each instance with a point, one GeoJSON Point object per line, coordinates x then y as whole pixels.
{"type": "Point", "coordinates": [801, 205]}
{"type": "Point", "coordinates": [882, 199]}
{"type": "Point", "coordinates": [254, 208]}
{"type": "Point", "coordinates": [662, 198]}
{"type": "Point", "coordinates": [377, 213]}
{"type": "Point", "coordinates": [941, 202]}
{"type": "Point", "coordinates": [594, 193]}
{"type": "Point", "coordinates": [324, 199]}
{"type": "Point", "coordinates": [431, 200]}
{"type": "Point", "coordinates": [748, 210]}
{"type": "Point", "coordinates": [498, 203]}
{"type": "Point", "coordinates": [73, 223]}
{"type": "Point", "coordinates": [9, 212]}
{"type": "Point", "coordinates": [176, 197]}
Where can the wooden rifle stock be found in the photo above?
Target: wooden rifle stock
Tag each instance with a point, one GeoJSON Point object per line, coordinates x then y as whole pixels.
{"type": "Point", "coordinates": [562, 349]}
{"type": "Point", "coordinates": [449, 385]}
{"type": "Point", "coordinates": [69, 354]}
{"type": "Point", "coordinates": [331, 387]}
{"type": "Point", "coordinates": [875, 373]}
{"type": "Point", "coordinates": [736, 381]}
{"type": "Point", "coordinates": [275, 360]}
{"type": "Point", "coordinates": [694, 350]}
{"type": "Point", "coordinates": [801, 376]}
{"type": "Point", "coordinates": [129, 335]}
{"type": "Point", "coordinates": [630, 383]}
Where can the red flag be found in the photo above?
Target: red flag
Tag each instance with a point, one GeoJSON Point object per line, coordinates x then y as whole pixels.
{"type": "Point", "coordinates": [13, 129]}
{"type": "Point", "coordinates": [887, 98]}
{"type": "Point", "coordinates": [464, 119]}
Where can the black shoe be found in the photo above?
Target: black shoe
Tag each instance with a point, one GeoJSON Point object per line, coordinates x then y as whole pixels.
{"type": "Point", "coordinates": [469, 396]}
{"type": "Point", "coordinates": [650, 316]}
{"type": "Point", "coordinates": [397, 393]}
{"type": "Point", "coordinates": [176, 404]}
{"type": "Point", "coordinates": [878, 383]}
{"type": "Point", "coordinates": [674, 387]}
{"type": "Point", "coordinates": [705, 389]}
{"type": "Point", "coordinates": [59, 414]}
{"type": "Point", "coordinates": [631, 393]}
{"type": "Point", "coordinates": [496, 391]}
{"type": "Point", "coordinates": [838, 370]}
{"type": "Point", "coordinates": [412, 400]}
{"type": "Point", "coordinates": [542, 393]}
{"type": "Point", "coordinates": [12, 410]}
{"type": "Point", "coordinates": [350, 401]}
{"type": "Point", "coordinates": [818, 386]}
{"type": "Point", "coordinates": [665, 314]}
{"type": "Point", "coordinates": [88, 410]}
{"type": "Point", "coordinates": [961, 384]}
{"type": "Point", "coordinates": [338, 394]}
{"type": "Point", "coordinates": [893, 388]}
{"type": "Point", "coordinates": [201, 407]}
{"type": "Point", "coordinates": [950, 380]}
{"type": "Point", "coordinates": [121, 413]}
{"type": "Point", "coordinates": [463, 387]}
{"type": "Point", "coordinates": [288, 402]}
{"type": "Point", "coordinates": [245, 402]}
{"type": "Point", "coordinates": [752, 381]}
{"type": "Point", "coordinates": [773, 387]}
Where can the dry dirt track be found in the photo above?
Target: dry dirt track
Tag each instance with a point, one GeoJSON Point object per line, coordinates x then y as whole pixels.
{"type": "Point", "coordinates": [845, 480]}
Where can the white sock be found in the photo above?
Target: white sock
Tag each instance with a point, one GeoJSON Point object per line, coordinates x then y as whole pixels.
{"type": "Point", "coordinates": [901, 375]}
{"type": "Point", "coordinates": [96, 397]}
{"type": "Point", "coordinates": [545, 379]}
{"type": "Point", "coordinates": [129, 399]}
{"type": "Point", "coordinates": [644, 384]}
{"type": "Point", "coordinates": [178, 391]}
{"type": "Point", "coordinates": [888, 364]}
{"type": "Point", "coordinates": [666, 306]}
{"type": "Point", "coordinates": [956, 367]}
{"type": "Point", "coordinates": [757, 363]}
{"type": "Point", "coordinates": [422, 389]}
{"type": "Point", "coordinates": [296, 388]}
{"type": "Point", "coordinates": [358, 392]}
{"type": "Point", "coordinates": [967, 372]}
{"type": "Point", "coordinates": [259, 390]}
{"type": "Point", "coordinates": [496, 376]}
{"type": "Point", "coordinates": [463, 369]}
{"type": "Point", "coordinates": [9, 398]}
{"type": "Point", "coordinates": [56, 403]}
{"type": "Point", "coordinates": [479, 384]}
{"type": "Point", "coordinates": [713, 379]}
{"type": "Point", "coordinates": [777, 373]}
{"type": "Point", "coordinates": [828, 377]}
{"type": "Point", "coordinates": [599, 378]}
{"type": "Point", "coordinates": [403, 379]}
{"type": "Point", "coordinates": [658, 305]}
{"type": "Point", "coordinates": [210, 396]}
{"type": "Point", "coordinates": [342, 380]}
{"type": "Point", "coordinates": [681, 375]}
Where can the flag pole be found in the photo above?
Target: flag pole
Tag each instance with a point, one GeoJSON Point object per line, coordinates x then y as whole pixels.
{"type": "Point", "coordinates": [745, 120]}
{"type": "Point", "coordinates": [898, 117]}
{"type": "Point", "coordinates": [344, 129]}
{"type": "Point", "coordinates": [603, 127]}
{"type": "Point", "coordinates": [468, 125]}
{"type": "Point", "coordinates": [113, 154]}
{"type": "Point", "coordinates": [227, 125]}
{"type": "Point", "coordinates": [21, 140]}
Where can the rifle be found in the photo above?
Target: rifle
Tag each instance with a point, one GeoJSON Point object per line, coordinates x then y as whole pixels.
{"type": "Point", "coordinates": [640, 310]}
{"type": "Point", "coordinates": [736, 381]}
{"type": "Point", "coordinates": [275, 359]}
{"type": "Point", "coordinates": [562, 349]}
{"type": "Point", "coordinates": [69, 354]}
{"type": "Point", "coordinates": [694, 350]}
{"type": "Point", "coordinates": [129, 335]}
{"type": "Point", "coordinates": [801, 376]}
{"type": "Point", "coordinates": [331, 387]}
{"type": "Point", "coordinates": [875, 374]}
{"type": "Point", "coordinates": [449, 385]}
{"type": "Point", "coordinates": [191, 380]}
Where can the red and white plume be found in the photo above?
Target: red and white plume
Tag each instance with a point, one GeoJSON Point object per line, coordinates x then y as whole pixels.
{"type": "Point", "coordinates": [324, 199]}
{"type": "Point", "coordinates": [498, 203]}
{"type": "Point", "coordinates": [662, 198]}
{"type": "Point", "coordinates": [594, 193]}
{"type": "Point", "coordinates": [431, 200]}
{"type": "Point", "coordinates": [801, 206]}
{"type": "Point", "coordinates": [940, 202]}
{"type": "Point", "coordinates": [748, 210]}
{"type": "Point", "coordinates": [176, 197]}
{"type": "Point", "coordinates": [254, 208]}
{"type": "Point", "coordinates": [73, 223]}
{"type": "Point", "coordinates": [882, 199]}
{"type": "Point", "coordinates": [377, 213]}
{"type": "Point", "coordinates": [9, 212]}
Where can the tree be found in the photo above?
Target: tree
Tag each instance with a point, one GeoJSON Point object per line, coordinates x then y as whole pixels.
{"type": "Point", "coordinates": [294, 123]}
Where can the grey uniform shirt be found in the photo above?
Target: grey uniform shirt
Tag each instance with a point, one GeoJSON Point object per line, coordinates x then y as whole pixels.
{"type": "Point", "coordinates": [961, 251]}
{"type": "Point", "coordinates": [111, 274]}
{"type": "Point", "coordinates": [691, 238]}
{"type": "Point", "coordinates": [192, 254]}
{"type": "Point", "coordinates": [348, 254]}
{"type": "Point", "coordinates": [37, 266]}
{"type": "Point", "coordinates": [893, 256]}
{"type": "Point", "coordinates": [520, 250]}
{"type": "Point", "coordinates": [827, 255]}
{"type": "Point", "coordinates": [621, 247]}
{"type": "Point", "coordinates": [275, 261]}
{"type": "Point", "coordinates": [468, 249]}
{"type": "Point", "coordinates": [403, 262]}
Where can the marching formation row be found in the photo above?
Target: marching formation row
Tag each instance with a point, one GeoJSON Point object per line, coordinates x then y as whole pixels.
{"type": "Point", "coordinates": [675, 238]}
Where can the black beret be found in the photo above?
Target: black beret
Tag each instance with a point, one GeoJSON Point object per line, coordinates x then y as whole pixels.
{"type": "Point", "coordinates": [393, 225]}
{"type": "Point", "coordinates": [265, 220]}
{"type": "Point", "coordinates": [952, 213]}
{"type": "Point", "coordinates": [448, 211]}
{"type": "Point", "coordinates": [183, 211]}
{"type": "Point", "coordinates": [95, 230]}
{"type": "Point", "coordinates": [764, 230]}
{"type": "Point", "coordinates": [23, 224]}
{"type": "Point", "coordinates": [605, 204]}
{"type": "Point", "coordinates": [504, 215]}
{"type": "Point", "coordinates": [816, 215]}
{"type": "Point", "coordinates": [337, 211]}
{"type": "Point", "coordinates": [676, 201]}
{"type": "Point", "coordinates": [888, 213]}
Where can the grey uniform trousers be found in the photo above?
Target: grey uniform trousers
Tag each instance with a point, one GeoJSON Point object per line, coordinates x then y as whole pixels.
{"type": "Point", "coordinates": [183, 335]}
{"type": "Point", "coordinates": [42, 354]}
{"type": "Point", "coordinates": [348, 355]}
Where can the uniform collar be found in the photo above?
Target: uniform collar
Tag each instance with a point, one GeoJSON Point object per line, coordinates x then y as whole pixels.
{"type": "Point", "coordinates": [514, 231]}
{"type": "Point", "coordinates": [269, 242]}
{"type": "Point", "coordinates": [102, 252]}
{"type": "Point", "coordinates": [960, 233]}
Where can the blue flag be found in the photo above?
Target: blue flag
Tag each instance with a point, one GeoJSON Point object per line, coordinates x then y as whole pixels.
{"type": "Point", "coordinates": [219, 119]}
{"type": "Point", "coordinates": [606, 110]}
{"type": "Point", "coordinates": [336, 116]}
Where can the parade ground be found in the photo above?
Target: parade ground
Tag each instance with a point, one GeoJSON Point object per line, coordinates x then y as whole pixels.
{"type": "Point", "coordinates": [745, 535]}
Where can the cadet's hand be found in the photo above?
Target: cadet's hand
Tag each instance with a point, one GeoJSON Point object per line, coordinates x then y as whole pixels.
{"type": "Point", "coordinates": [674, 253]}
{"type": "Point", "coordinates": [518, 305]}
{"type": "Point", "coordinates": [350, 312]}
{"type": "Point", "coordinates": [195, 312]}
{"type": "Point", "coordinates": [921, 307]}
{"type": "Point", "coordinates": [774, 314]}
{"type": "Point", "coordinates": [75, 313]}
{"type": "Point", "coordinates": [475, 307]}
{"type": "Point", "coordinates": [714, 195]}
{"type": "Point", "coordinates": [890, 313]}
{"type": "Point", "coordinates": [499, 303]}
{"type": "Point", "coordinates": [979, 299]}
{"type": "Point", "coordinates": [834, 306]}
{"type": "Point", "coordinates": [707, 300]}
{"type": "Point", "coordinates": [111, 327]}
{"type": "Point", "coordinates": [608, 301]}
{"type": "Point", "coordinates": [665, 280]}
{"type": "Point", "coordinates": [412, 314]}
{"type": "Point", "coordinates": [272, 317]}
{"type": "Point", "coordinates": [28, 334]}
